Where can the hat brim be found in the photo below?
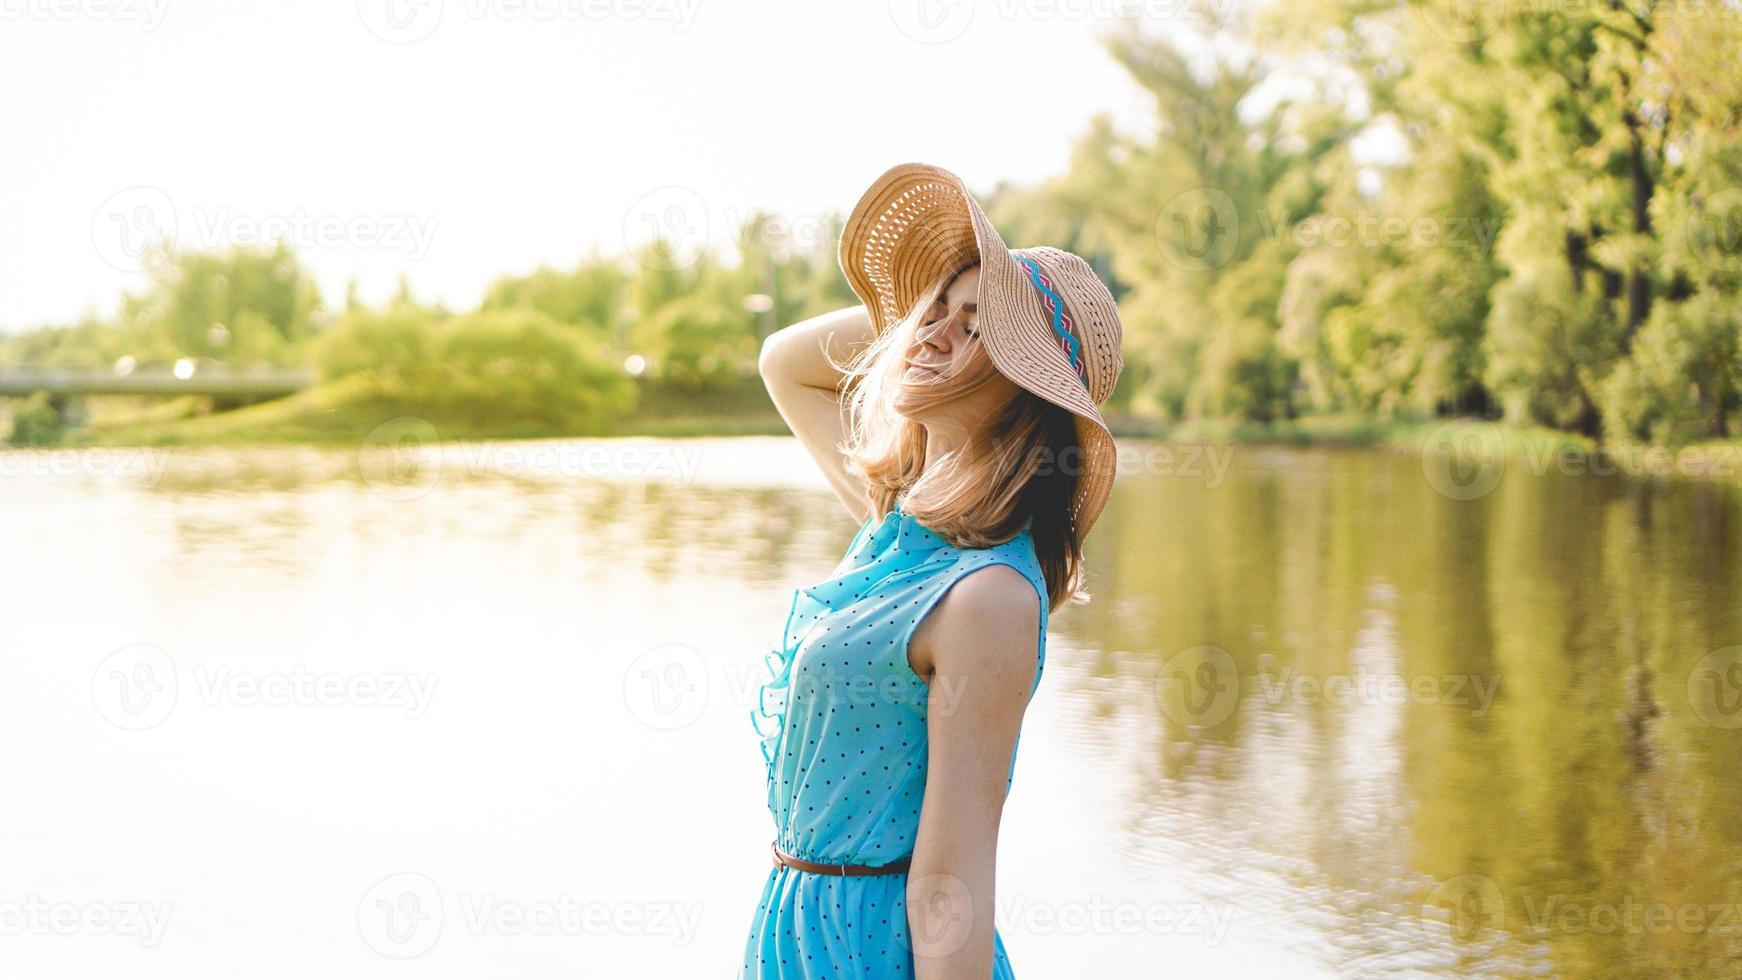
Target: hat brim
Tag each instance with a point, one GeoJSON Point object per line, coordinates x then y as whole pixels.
{"type": "Point", "coordinates": [917, 223]}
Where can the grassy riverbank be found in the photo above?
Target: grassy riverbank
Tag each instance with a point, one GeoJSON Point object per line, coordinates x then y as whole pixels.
{"type": "Point", "coordinates": [347, 411]}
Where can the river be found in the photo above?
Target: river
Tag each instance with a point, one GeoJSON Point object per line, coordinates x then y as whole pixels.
{"type": "Point", "coordinates": [483, 710]}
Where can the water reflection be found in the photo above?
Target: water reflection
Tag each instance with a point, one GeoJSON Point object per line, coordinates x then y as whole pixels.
{"type": "Point", "coordinates": [1525, 761]}
{"type": "Point", "coordinates": [1339, 721]}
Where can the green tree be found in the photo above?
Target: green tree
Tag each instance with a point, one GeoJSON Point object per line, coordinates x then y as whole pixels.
{"type": "Point", "coordinates": [244, 306]}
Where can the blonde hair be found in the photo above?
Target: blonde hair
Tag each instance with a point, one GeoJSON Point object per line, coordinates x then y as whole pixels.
{"type": "Point", "coordinates": [980, 500]}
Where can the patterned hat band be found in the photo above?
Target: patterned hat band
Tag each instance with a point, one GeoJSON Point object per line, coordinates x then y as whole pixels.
{"type": "Point", "coordinates": [1064, 331]}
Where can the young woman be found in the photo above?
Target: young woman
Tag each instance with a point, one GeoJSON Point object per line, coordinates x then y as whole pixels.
{"type": "Point", "coordinates": [955, 416]}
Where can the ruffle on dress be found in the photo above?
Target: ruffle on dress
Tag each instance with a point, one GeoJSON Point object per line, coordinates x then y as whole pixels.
{"type": "Point", "coordinates": [872, 559]}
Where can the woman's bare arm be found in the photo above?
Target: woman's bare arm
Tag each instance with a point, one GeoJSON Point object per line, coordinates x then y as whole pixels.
{"type": "Point", "coordinates": [805, 388]}
{"type": "Point", "coordinates": [977, 651]}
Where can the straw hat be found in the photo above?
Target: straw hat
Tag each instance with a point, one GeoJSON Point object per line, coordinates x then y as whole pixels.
{"type": "Point", "coordinates": [1047, 320]}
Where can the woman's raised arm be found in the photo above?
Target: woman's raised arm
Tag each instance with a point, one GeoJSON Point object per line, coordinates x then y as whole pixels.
{"type": "Point", "coordinates": [806, 389]}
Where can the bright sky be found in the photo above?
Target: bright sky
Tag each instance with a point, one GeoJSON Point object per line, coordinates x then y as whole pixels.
{"type": "Point", "coordinates": [459, 140]}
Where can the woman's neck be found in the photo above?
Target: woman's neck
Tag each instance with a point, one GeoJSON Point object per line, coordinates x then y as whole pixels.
{"type": "Point", "coordinates": [946, 438]}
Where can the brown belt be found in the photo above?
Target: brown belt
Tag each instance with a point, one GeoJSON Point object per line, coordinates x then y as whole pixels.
{"type": "Point", "coordinates": [783, 859]}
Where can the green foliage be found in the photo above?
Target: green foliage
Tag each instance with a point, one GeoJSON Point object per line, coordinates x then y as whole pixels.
{"type": "Point", "coordinates": [389, 345]}
{"type": "Point", "coordinates": [523, 365]}
{"type": "Point", "coordinates": [1680, 383]}
{"type": "Point", "coordinates": [517, 366]}
{"type": "Point", "coordinates": [703, 342]}
{"type": "Point", "coordinates": [1555, 234]}
{"type": "Point", "coordinates": [241, 307]}
{"type": "Point", "coordinates": [589, 297]}
{"type": "Point", "coordinates": [36, 422]}
{"type": "Point", "coordinates": [1548, 345]}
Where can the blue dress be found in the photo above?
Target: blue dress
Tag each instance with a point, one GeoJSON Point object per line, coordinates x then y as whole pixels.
{"type": "Point", "coordinates": [843, 726]}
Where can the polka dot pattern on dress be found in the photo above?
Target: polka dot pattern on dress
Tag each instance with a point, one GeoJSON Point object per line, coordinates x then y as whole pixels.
{"type": "Point", "coordinates": [843, 726]}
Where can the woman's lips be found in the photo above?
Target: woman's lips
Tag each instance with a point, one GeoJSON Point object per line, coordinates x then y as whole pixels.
{"type": "Point", "coordinates": [923, 370]}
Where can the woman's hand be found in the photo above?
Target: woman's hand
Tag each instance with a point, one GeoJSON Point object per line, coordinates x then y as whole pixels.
{"type": "Point", "coordinates": [806, 390]}
{"type": "Point", "coordinates": [977, 650]}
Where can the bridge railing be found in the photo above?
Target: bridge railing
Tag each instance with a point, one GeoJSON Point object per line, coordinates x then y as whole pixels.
{"type": "Point", "coordinates": [259, 383]}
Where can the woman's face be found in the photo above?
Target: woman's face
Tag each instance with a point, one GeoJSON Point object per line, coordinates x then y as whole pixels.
{"type": "Point", "coordinates": [944, 347]}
